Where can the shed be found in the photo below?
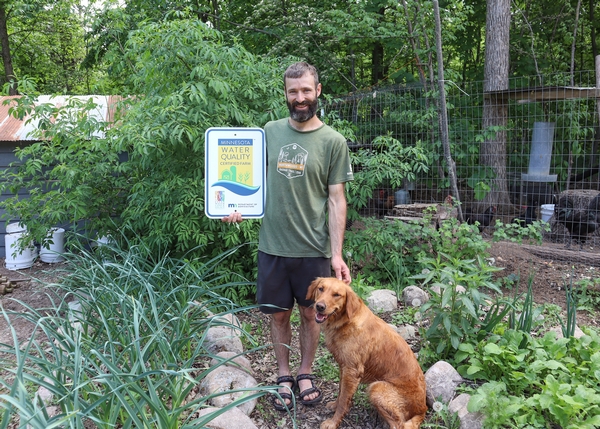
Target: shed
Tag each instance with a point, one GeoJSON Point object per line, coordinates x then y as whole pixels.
{"type": "Point", "coordinates": [17, 133]}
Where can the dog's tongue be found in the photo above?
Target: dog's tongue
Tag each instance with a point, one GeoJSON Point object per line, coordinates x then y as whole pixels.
{"type": "Point", "coordinates": [320, 318]}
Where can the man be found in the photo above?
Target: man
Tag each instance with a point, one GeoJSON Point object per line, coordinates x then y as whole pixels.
{"type": "Point", "coordinates": [303, 228]}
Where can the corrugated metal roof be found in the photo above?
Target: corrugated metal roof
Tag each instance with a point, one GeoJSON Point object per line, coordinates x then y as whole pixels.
{"type": "Point", "coordinates": [12, 129]}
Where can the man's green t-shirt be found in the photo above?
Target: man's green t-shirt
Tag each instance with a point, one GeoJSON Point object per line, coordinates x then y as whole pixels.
{"type": "Point", "coordinates": [301, 166]}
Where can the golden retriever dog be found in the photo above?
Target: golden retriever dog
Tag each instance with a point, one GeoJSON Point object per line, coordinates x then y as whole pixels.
{"type": "Point", "coordinates": [368, 351]}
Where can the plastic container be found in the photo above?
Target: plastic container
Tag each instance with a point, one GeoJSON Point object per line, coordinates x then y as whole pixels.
{"type": "Point", "coordinates": [23, 258]}
{"type": "Point", "coordinates": [547, 212]}
{"type": "Point", "coordinates": [55, 250]}
{"type": "Point", "coordinates": [402, 197]}
{"type": "Point", "coordinates": [541, 154]}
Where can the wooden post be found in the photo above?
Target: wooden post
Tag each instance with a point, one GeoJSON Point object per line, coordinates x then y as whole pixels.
{"type": "Point", "coordinates": [598, 87]}
{"type": "Point", "coordinates": [594, 162]}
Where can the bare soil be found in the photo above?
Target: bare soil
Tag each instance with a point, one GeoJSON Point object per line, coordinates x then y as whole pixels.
{"type": "Point", "coordinates": [549, 277]}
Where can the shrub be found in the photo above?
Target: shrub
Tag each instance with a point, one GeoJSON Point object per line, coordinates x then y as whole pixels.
{"type": "Point", "coordinates": [390, 252]}
{"type": "Point", "coordinates": [193, 80]}
{"type": "Point", "coordinates": [386, 251]}
{"type": "Point", "coordinates": [388, 163]}
{"type": "Point", "coordinates": [459, 309]}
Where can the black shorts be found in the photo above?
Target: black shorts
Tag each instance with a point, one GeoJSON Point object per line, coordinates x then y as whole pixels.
{"type": "Point", "coordinates": [282, 280]}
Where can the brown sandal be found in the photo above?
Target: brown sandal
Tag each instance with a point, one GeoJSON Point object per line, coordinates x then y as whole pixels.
{"type": "Point", "coordinates": [309, 391]}
{"type": "Point", "coordinates": [281, 397]}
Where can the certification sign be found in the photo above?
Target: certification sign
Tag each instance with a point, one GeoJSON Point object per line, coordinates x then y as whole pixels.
{"type": "Point", "coordinates": [234, 172]}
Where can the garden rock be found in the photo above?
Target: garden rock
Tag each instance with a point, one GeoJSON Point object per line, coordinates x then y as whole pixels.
{"type": "Point", "coordinates": [414, 296]}
{"type": "Point", "coordinates": [232, 418]}
{"type": "Point", "coordinates": [441, 380]}
{"type": "Point", "coordinates": [222, 381]}
{"type": "Point", "coordinates": [559, 334]}
{"type": "Point", "coordinates": [458, 289]}
{"type": "Point", "coordinates": [234, 361]}
{"type": "Point", "coordinates": [223, 338]}
{"type": "Point", "coordinates": [45, 395]}
{"type": "Point", "coordinates": [408, 332]}
{"type": "Point", "coordinates": [467, 420]}
{"type": "Point", "coordinates": [382, 300]}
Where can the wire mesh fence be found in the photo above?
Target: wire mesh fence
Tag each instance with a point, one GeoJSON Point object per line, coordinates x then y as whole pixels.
{"type": "Point", "coordinates": [552, 134]}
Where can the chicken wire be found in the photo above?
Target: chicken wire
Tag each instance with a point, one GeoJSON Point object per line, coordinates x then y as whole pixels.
{"type": "Point", "coordinates": [409, 113]}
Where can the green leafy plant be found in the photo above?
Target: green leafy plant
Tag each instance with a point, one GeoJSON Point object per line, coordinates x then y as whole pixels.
{"type": "Point", "coordinates": [364, 286]}
{"type": "Point", "coordinates": [391, 251]}
{"type": "Point", "coordinates": [406, 316]}
{"type": "Point", "coordinates": [568, 327]}
{"type": "Point", "coordinates": [457, 307]}
{"type": "Point", "coordinates": [441, 418]}
{"type": "Point", "coordinates": [587, 293]}
{"type": "Point", "coordinates": [529, 313]}
{"type": "Point", "coordinates": [537, 381]}
{"type": "Point", "coordinates": [461, 240]}
{"type": "Point", "coordinates": [72, 173]}
{"type": "Point", "coordinates": [386, 251]}
{"type": "Point", "coordinates": [518, 233]}
{"type": "Point", "coordinates": [388, 163]}
{"type": "Point", "coordinates": [480, 181]}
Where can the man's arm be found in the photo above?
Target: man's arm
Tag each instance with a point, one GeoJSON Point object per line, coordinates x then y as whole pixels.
{"type": "Point", "coordinates": [337, 227]}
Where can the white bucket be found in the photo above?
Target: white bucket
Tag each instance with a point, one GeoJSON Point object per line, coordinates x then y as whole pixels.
{"type": "Point", "coordinates": [547, 212]}
{"type": "Point", "coordinates": [55, 249]}
{"type": "Point", "coordinates": [24, 258]}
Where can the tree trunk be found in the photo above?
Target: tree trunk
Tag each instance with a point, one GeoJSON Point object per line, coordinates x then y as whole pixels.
{"type": "Point", "coordinates": [9, 72]}
{"type": "Point", "coordinates": [378, 70]}
{"type": "Point", "coordinates": [492, 152]}
{"type": "Point", "coordinates": [574, 43]}
{"type": "Point", "coordinates": [377, 67]}
{"type": "Point", "coordinates": [593, 29]}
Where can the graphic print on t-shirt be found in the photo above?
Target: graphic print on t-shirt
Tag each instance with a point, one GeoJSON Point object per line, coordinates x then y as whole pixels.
{"type": "Point", "coordinates": [292, 160]}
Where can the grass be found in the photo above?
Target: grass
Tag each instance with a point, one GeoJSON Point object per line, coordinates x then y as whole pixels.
{"type": "Point", "coordinates": [131, 354]}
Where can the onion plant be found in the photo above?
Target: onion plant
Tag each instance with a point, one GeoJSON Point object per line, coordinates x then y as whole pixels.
{"type": "Point", "coordinates": [121, 346]}
{"type": "Point", "coordinates": [568, 327]}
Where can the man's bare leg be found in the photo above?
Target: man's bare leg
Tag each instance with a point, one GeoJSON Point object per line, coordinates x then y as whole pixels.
{"type": "Point", "coordinates": [309, 341]}
{"type": "Point", "coordinates": [281, 335]}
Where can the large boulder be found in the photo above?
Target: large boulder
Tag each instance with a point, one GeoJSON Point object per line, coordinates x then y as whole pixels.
{"type": "Point", "coordinates": [441, 380]}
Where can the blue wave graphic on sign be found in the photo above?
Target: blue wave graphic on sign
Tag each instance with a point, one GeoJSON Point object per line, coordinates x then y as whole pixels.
{"type": "Point", "coordinates": [237, 188]}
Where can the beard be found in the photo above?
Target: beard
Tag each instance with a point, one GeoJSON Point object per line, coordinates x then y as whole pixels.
{"type": "Point", "coordinates": [303, 115]}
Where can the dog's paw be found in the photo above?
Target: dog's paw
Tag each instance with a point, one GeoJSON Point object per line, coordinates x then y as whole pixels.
{"type": "Point", "coordinates": [329, 424]}
{"type": "Point", "coordinates": [331, 406]}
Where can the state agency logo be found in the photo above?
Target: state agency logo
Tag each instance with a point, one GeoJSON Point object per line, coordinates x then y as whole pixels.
{"type": "Point", "coordinates": [292, 160]}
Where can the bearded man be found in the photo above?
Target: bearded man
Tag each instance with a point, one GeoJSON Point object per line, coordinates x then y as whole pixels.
{"type": "Point", "coordinates": [302, 231]}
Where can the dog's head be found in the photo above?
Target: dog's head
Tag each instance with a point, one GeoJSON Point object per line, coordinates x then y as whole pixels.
{"type": "Point", "coordinates": [333, 299]}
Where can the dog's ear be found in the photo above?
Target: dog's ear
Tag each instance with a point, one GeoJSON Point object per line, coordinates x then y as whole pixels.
{"type": "Point", "coordinates": [353, 302]}
{"type": "Point", "coordinates": [312, 289]}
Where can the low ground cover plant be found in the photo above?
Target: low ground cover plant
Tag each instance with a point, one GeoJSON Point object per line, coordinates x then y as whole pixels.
{"type": "Point", "coordinates": [532, 382]}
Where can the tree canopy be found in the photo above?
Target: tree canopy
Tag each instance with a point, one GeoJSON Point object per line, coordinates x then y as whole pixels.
{"type": "Point", "coordinates": [76, 50]}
